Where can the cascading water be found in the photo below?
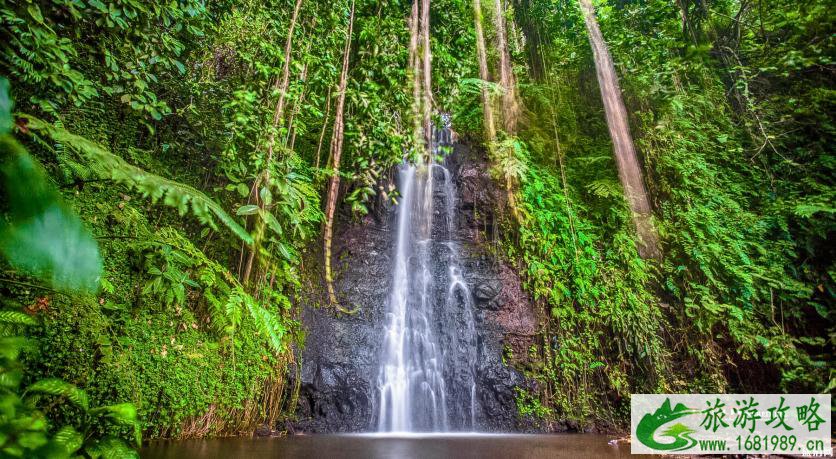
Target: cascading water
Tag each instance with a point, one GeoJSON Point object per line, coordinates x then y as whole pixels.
{"type": "Point", "coordinates": [427, 378]}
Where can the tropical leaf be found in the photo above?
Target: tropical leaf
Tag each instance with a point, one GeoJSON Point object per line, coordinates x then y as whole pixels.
{"type": "Point", "coordinates": [58, 387]}
{"type": "Point", "coordinates": [5, 107]}
{"type": "Point", "coordinates": [111, 448]}
{"type": "Point", "coordinates": [16, 318]}
{"type": "Point", "coordinates": [12, 346]}
{"type": "Point", "coordinates": [173, 194]}
{"type": "Point", "coordinates": [54, 246]}
{"type": "Point", "coordinates": [42, 237]}
{"type": "Point", "coordinates": [123, 414]}
{"type": "Point", "coordinates": [605, 188]}
{"type": "Point", "coordinates": [69, 439]}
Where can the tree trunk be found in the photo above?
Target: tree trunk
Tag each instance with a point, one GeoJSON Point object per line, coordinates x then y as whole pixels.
{"type": "Point", "coordinates": [264, 177]}
{"type": "Point", "coordinates": [481, 54]}
{"type": "Point", "coordinates": [427, 74]}
{"type": "Point", "coordinates": [510, 104]}
{"type": "Point", "coordinates": [417, 80]}
{"type": "Point", "coordinates": [629, 170]}
{"type": "Point", "coordinates": [290, 139]}
{"type": "Point", "coordinates": [324, 126]}
{"type": "Point", "coordinates": [336, 151]}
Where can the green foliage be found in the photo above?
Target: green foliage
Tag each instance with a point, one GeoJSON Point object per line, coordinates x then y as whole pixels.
{"type": "Point", "coordinates": [528, 405]}
{"type": "Point", "coordinates": [733, 197]}
{"type": "Point", "coordinates": [6, 120]}
{"type": "Point", "coordinates": [24, 429]}
{"type": "Point", "coordinates": [45, 46]}
{"type": "Point", "coordinates": [731, 107]}
{"type": "Point", "coordinates": [730, 113]}
{"type": "Point", "coordinates": [40, 235]}
{"type": "Point", "coordinates": [174, 194]}
{"type": "Point", "coordinates": [173, 260]}
{"type": "Point", "coordinates": [173, 330]}
{"type": "Point", "coordinates": [509, 159]}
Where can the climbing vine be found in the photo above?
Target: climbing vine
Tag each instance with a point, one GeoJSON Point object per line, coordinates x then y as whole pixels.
{"type": "Point", "coordinates": [198, 159]}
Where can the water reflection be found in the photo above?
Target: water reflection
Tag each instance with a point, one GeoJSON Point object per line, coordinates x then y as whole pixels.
{"type": "Point", "coordinates": [485, 446]}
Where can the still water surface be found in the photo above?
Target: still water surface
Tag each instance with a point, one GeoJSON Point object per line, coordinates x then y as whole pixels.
{"type": "Point", "coordinates": [430, 446]}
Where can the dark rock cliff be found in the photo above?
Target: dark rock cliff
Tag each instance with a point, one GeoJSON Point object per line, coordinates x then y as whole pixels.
{"type": "Point", "coordinates": [340, 359]}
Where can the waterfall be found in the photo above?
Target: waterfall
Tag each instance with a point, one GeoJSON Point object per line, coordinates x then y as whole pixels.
{"type": "Point", "coordinates": [427, 377]}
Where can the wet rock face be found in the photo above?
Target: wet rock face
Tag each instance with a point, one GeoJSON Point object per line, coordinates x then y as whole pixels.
{"type": "Point", "coordinates": [340, 359]}
{"type": "Point", "coordinates": [340, 362]}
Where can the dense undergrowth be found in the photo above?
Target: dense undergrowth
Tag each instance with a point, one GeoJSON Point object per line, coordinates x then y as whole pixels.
{"type": "Point", "coordinates": [729, 119]}
{"type": "Point", "coordinates": [156, 122]}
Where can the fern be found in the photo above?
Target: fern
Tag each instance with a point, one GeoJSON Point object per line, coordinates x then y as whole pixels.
{"type": "Point", "coordinates": [54, 386]}
{"type": "Point", "coordinates": [605, 188]}
{"type": "Point", "coordinates": [16, 318]}
{"type": "Point", "coordinates": [476, 85]}
{"type": "Point", "coordinates": [230, 305]}
{"type": "Point", "coordinates": [510, 156]}
{"type": "Point", "coordinates": [267, 323]}
{"type": "Point", "coordinates": [173, 194]}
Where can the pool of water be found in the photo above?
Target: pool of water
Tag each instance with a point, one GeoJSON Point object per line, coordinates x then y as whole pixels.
{"type": "Point", "coordinates": [487, 446]}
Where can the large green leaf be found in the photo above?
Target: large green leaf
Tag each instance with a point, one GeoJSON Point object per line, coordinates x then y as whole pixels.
{"type": "Point", "coordinates": [5, 107]}
{"type": "Point", "coordinates": [69, 439]}
{"type": "Point", "coordinates": [110, 448]}
{"type": "Point", "coordinates": [43, 237]}
{"type": "Point", "coordinates": [54, 386]}
{"type": "Point", "coordinates": [124, 414]}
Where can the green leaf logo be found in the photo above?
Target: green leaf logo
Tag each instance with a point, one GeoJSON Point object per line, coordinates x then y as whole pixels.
{"type": "Point", "coordinates": [650, 423]}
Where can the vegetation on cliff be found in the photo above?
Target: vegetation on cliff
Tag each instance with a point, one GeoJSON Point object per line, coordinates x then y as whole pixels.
{"type": "Point", "coordinates": [170, 169]}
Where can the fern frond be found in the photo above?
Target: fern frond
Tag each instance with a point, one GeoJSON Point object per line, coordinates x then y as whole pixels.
{"type": "Point", "coordinates": [269, 324]}
{"type": "Point", "coordinates": [173, 194]}
{"type": "Point", "coordinates": [476, 85]}
{"type": "Point", "coordinates": [605, 188]}
{"type": "Point", "coordinates": [16, 318]}
{"type": "Point", "coordinates": [54, 386]}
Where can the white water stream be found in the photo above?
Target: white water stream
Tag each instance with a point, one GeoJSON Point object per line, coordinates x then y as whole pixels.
{"type": "Point", "coordinates": [413, 381]}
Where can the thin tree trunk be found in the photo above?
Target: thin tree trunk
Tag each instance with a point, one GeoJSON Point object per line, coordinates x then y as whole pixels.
{"type": "Point", "coordinates": [271, 140]}
{"type": "Point", "coordinates": [324, 126]}
{"type": "Point", "coordinates": [285, 70]}
{"type": "Point", "coordinates": [629, 170]}
{"type": "Point", "coordinates": [336, 150]}
{"type": "Point", "coordinates": [481, 54]}
{"type": "Point", "coordinates": [297, 104]}
{"type": "Point", "coordinates": [510, 104]}
{"type": "Point", "coordinates": [427, 74]}
{"type": "Point", "coordinates": [415, 68]}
